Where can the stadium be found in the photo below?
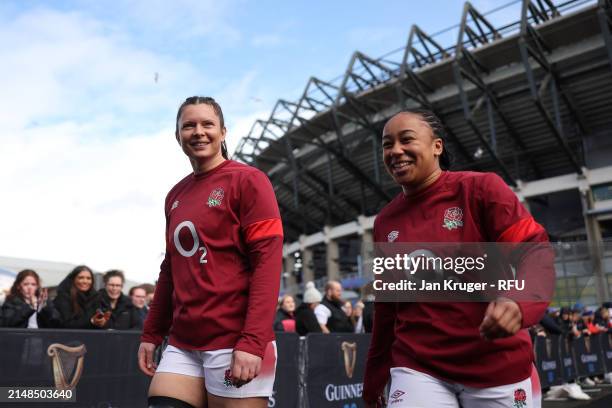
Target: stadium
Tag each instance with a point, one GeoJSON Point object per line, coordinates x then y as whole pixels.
{"type": "Point", "coordinates": [528, 100]}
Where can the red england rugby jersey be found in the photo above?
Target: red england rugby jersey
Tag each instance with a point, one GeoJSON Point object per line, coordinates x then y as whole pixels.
{"type": "Point", "coordinates": [443, 339]}
{"type": "Point", "coordinates": [219, 282]}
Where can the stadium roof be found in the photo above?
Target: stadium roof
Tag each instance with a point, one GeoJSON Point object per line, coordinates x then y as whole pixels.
{"type": "Point", "coordinates": [525, 100]}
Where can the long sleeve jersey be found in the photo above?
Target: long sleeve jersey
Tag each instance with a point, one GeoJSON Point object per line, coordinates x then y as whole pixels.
{"type": "Point", "coordinates": [442, 339]}
{"type": "Point", "coordinates": [219, 281]}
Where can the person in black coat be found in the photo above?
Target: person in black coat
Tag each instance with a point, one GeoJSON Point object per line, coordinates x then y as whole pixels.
{"type": "Point", "coordinates": [285, 315]}
{"type": "Point", "coordinates": [26, 306]}
{"type": "Point", "coordinates": [123, 314]}
{"type": "Point", "coordinates": [305, 318]}
{"type": "Point", "coordinates": [77, 301]}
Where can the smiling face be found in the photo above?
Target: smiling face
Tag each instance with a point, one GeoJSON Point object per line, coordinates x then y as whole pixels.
{"type": "Point", "coordinates": [83, 281]}
{"type": "Point", "coordinates": [139, 296]}
{"type": "Point", "coordinates": [288, 304]}
{"type": "Point", "coordinates": [411, 151]}
{"type": "Point", "coordinates": [200, 135]}
{"type": "Point", "coordinates": [28, 287]}
{"type": "Point", "coordinates": [113, 287]}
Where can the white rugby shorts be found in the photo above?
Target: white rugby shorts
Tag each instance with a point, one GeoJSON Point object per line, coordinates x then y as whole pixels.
{"type": "Point", "coordinates": [214, 367]}
{"type": "Point", "coordinates": [414, 389]}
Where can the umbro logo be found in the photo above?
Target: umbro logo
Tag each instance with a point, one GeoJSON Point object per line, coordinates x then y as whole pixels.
{"type": "Point", "coordinates": [174, 205]}
{"type": "Point", "coordinates": [392, 236]}
{"type": "Point", "coordinates": [395, 397]}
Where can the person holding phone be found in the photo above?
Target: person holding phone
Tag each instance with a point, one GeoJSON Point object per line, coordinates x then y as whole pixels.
{"type": "Point", "coordinates": [26, 306]}
{"type": "Point", "coordinates": [218, 284]}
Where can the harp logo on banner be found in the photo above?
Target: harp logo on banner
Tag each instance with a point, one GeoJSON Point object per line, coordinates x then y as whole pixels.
{"type": "Point", "coordinates": [67, 365]}
{"type": "Point", "coordinates": [350, 357]}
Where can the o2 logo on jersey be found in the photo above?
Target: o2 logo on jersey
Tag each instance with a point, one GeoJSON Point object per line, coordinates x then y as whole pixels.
{"type": "Point", "coordinates": [196, 242]}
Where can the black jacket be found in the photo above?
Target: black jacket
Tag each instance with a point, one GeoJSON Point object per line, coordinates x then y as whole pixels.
{"type": "Point", "coordinates": [16, 313]}
{"type": "Point", "coordinates": [306, 321]}
{"type": "Point", "coordinates": [338, 322]}
{"type": "Point", "coordinates": [88, 301]}
{"type": "Point", "coordinates": [278, 320]}
{"type": "Point", "coordinates": [125, 315]}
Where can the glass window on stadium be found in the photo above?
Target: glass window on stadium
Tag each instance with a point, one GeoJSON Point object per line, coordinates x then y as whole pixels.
{"type": "Point", "coordinates": [319, 261]}
{"type": "Point", "coordinates": [602, 192]}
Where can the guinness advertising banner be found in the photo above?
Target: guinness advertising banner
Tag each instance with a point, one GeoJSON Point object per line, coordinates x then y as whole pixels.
{"type": "Point", "coordinates": [606, 346]}
{"type": "Point", "coordinates": [335, 367]}
{"type": "Point", "coordinates": [286, 383]}
{"type": "Point", "coordinates": [588, 356]}
{"type": "Point", "coordinates": [99, 368]}
{"type": "Point", "coordinates": [568, 368]}
{"type": "Point", "coordinates": [548, 360]}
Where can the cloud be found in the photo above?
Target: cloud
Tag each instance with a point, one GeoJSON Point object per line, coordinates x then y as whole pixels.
{"type": "Point", "coordinates": [88, 152]}
{"type": "Point", "coordinates": [97, 203]}
{"type": "Point", "coordinates": [59, 66]}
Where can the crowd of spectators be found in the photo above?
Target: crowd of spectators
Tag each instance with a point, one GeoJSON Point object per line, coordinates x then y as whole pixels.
{"type": "Point", "coordinates": [323, 313]}
{"type": "Point", "coordinates": [572, 323]}
{"type": "Point", "coordinates": [77, 304]}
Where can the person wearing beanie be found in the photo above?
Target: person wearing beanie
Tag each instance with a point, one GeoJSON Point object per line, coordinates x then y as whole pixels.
{"type": "Point", "coordinates": [305, 318]}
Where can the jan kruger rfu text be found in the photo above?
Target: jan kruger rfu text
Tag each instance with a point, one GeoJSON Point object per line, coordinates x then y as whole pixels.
{"type": "Point", "coordinates": [448, 285]}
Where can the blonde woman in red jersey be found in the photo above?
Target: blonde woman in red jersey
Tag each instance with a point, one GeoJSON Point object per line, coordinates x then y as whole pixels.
{"type": "Point", "coordinates": [216, 293]}
{"type": "Point", "coordinates": [450, 355]}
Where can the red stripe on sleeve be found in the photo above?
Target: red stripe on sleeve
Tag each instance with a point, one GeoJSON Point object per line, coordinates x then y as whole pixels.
{"type": "Point", "coordinates": [263, 229]}
{"type": "Point", "coordinates": [520, 231]}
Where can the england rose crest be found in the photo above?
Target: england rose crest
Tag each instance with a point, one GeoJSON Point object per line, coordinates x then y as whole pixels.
{"type": "Point", "coordinates": [453, 218]}
{"type": "Point", "coordinates": [520, 398]}
{"type": "Point", "coordinates": [215, 197]}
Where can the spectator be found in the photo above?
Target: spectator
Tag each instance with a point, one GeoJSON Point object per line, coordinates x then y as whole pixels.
{"type": "Point", "coordinates": [347, 308]}
{"type": "Point", "coordinates": [602, 319]}
{"type": "Point", "coordinates": [77, 301]}
{"type": "Point", "coordinates": [586, 325]}
{"type": "Point", "coordinates": [150, 290]}
{"type": "Point", "coordinates": [124, 315]}
{"type": "Point", "coordinates": [567, 325]}
{"type": "Point", "coordinates": [285, 315]}
{"type": "Point", "coordinates": [139, 300]}
{"type": "Point", "coordinates": [26, 305]}
{"type": "Point", "coordinates": [357, 317]}
{"type": "Point", "coordinates": [305, 318]}
{"type": "Point", "coordinates": [367, 293]}
{"type": "Point", "coordinates": [329, 313]}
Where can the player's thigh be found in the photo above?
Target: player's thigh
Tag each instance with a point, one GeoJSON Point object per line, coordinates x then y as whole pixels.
{"type": "Point", "coordinates": [413, 389]}
{"type": "Point", "coordinates": [182, 387]}
{"type": "Point", "coordinates": [222, 393]}
{"type": "Point", "coordinates": [215, 401]}
{"type": "Point", "coordinates": [180, 375]}
{"type": "Point", "coordinates": [517, 395]}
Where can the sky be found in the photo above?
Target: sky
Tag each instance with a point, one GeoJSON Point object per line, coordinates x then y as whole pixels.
{"type": "Point", "coordinates": [89, 92]}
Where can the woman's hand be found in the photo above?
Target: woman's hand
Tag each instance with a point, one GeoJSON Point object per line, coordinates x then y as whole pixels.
{"type": "Point", "coordinates": [145, 358]}
{"type": "Point", "coordinates": [244, 367]}
{"type": "Point", "coordinates": [502, 318]}
{"type": "Point", "coordinates": [100, 319]}
{"type": "Point", "coordinates": [42, 299]}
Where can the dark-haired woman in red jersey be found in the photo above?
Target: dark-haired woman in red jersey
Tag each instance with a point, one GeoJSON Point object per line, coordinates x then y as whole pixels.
{"type": "Point", "coordinates": [449, 354]}
{"type": "Point", "coordinates": [218, 285]}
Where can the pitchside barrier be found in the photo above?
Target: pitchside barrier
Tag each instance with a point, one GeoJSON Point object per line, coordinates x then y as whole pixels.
{"type": "Point", "coordinates": [316, 371]}
{"type": "Point", "coordinates": [560, 359]}
{"type": "Point", "coordinates": [100, 369]}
